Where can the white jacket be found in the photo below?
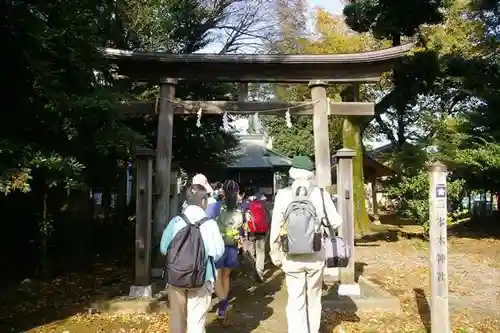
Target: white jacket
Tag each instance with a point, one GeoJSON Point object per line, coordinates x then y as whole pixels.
{"type": "Point", "coordinates": [281, 202]}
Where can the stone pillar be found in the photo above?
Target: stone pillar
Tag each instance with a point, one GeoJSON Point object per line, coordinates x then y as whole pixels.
{"type": "Point", "coordinates": [144, 198]}
{"type": "Point", "coordinates": [376, 218]}
{"type": "Point", "coordinates": [438, 256]}
{"type": "Point", "coordinates": [163, 167]}
{"type": "Point", "coordinates": [348, 285]}
{"type": "Point", "coordinates": [321, 137]}
{"type": "Point", "coordinates": [322, 148]}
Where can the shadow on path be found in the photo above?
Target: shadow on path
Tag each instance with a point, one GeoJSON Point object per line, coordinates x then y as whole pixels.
{"type": "Point", "coordinates": [250, 303]}
{"type": "Point", "coordinates": [479, 227]}
{"type": "Point", "coordinates": [337, 309]}
{"type": "Point", "coordinates": [34, 303]}
{"type": "Point", "coordinates": [423, 308]}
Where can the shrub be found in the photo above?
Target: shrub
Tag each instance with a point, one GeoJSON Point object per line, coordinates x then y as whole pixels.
{"type": "Point", "coordinates": [410, 195]}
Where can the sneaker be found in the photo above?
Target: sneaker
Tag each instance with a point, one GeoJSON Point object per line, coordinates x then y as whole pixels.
{"type": "Point", "coordinates": [221, 311]}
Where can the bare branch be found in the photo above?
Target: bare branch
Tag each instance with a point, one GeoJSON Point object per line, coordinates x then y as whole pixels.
{"type": "Point", "coordinates": [249, 24]}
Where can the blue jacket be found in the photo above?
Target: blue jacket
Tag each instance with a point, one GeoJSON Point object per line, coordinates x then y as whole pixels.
{"type": "Point", "coordinates": [213, 208]}
{"type": "Point", "coordinates": [212, 239]}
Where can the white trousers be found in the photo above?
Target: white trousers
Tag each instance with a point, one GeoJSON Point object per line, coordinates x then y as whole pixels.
{"type": "Point", "coordinates": [256, 247]}
{"type": "Point", "coordinates": [188, 308]}
{"type": "Point", "coordinates": [304, 281]}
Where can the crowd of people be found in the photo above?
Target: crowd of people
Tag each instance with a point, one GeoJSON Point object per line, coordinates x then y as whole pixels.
{"type": "Point", "coordinates": [217, 223]}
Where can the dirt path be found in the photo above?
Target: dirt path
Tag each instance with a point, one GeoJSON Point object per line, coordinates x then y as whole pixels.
{"type": "Point", "coordinates": [399, 267]}
{"type": "Point", "coordinates": [256, 308]}
{"type": "Point", "coordinates": [473, 277]}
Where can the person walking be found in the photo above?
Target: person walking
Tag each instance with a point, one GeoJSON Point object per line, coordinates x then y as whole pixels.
{"type": "Point", "coordinates": [230, 221]}
{"type": "Point", "coordinates": [212, 206]}
{"type": "Point", "coordinates": [256, 225]}
{"type": "Point", "coordinates": [192, 244]}
{"type": "Point", "coordinates": [296, 243]}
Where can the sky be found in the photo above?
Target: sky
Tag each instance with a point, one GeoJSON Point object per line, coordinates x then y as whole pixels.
{"type": "Point", "coordinates": [333, 6]}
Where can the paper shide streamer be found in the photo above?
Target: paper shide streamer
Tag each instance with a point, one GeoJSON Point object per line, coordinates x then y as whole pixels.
{"type": "Point", "coordinates": [198, 119]}
{"type": "Point", "coordinates": [288, 119]}
{"type": "Point", "coordinates": [225, 122]}
{"type": "Point", "coordinates": [225, 116]}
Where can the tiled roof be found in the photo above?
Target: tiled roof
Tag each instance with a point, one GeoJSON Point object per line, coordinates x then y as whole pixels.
{"type": "Point", "coordinates": [254, 154]}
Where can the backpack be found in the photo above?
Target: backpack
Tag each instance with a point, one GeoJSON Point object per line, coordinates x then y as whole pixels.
{"type": "Point", "coordinates": [229, 222]}
{"type": "Point", "coordinates": [186, 259]}
{"type": "Point", "coordinates": [258, 221]}
{"type": "Point", "coordinates": [301, 228]}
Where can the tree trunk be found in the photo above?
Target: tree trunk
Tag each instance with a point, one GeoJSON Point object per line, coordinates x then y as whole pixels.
{"type": "Point", "coordinates": [351, 134]}
{"type": "Point", "coordinates": [44, 230]}
{"type": "Point", "coordinates": [105, 204]}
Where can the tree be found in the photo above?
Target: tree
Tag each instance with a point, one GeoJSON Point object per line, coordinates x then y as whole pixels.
{"type": "Point", "coordinates": [426, 89]}
{"type": "Point", "coordinates": [63, 121]}
{"type": "Point", "coordinates": [332, 36]}
{"type": "Point", "coordinates": [188, 26]}
{"type": "Point", "coordinates": [291, 18]}
{"type": "Point", "coordinates": [64, 132]}
{"type": "Point", "coordinates": [392, 19]}
{"type": "Point", "coordinates": [487, 11]}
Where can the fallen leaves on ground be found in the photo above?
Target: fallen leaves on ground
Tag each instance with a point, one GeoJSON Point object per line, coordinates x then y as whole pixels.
{"type": "Point", "coordinates": [33, 303]}
{"type": "Point", "coordinates": [398, 267]}
{"type": "Point", "coordinates": [401, 269]}
{"type": "Point", "coordinates": [109, 323]}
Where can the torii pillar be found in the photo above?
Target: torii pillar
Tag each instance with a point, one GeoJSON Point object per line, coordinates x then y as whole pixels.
{"type": "Point", "coordinates": [322, 149]}
{"type": "Point", "coordinates": [163, 168]}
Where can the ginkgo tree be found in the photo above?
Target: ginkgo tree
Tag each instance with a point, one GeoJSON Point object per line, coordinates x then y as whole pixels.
{"type": "Point", "coordinates": [331, 35]}
{"type": "Point", "coordinates": [334, 36]}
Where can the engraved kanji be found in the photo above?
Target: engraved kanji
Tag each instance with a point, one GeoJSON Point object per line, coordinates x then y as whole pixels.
{"type": "Point", "coordinates": [441, 221]}
{"type": "Point", "coordinates": [441, 240]}
{"type": "Point", "coordinates": [441, 258]}
{"type": "Point", "coordinates": [440, 276]}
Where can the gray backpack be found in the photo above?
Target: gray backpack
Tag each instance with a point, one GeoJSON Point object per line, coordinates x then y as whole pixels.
{"type": "Point", "coordinates": [301, 228]}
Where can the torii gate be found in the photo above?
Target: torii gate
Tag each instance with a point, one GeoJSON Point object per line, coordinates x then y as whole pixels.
{"type": "Point", "coordinates": [317, 70]}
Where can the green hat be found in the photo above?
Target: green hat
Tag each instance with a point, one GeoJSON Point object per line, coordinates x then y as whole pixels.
{"type": "Point", "coordinates": [303, 162]}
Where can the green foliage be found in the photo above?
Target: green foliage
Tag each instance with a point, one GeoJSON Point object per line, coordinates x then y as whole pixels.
{"type": "Point", "coordinates": [63, 115]}
{"type": "Point", "coordinates": [457, 217]}
{"type": "Point", "coordinates": [411, 195]}
{"type": "Point", "coordinates": [172, 25]}
{"type": "Point", "coordinates": [479, 166]}
{"type": "Point", "coordinates": [392, 19]}
{"type": "Point", "coordinates": [299, 139]}
{"type": "Point", "coordinates": [215, 149]}
{"type": "Point", "coordinates": [63, 132]}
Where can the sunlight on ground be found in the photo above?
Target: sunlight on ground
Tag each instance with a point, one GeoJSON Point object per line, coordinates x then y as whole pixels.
{"type": "Point", "coordinates": [398, 265]}
{"type": "Point", "coordinates": [133, 323]}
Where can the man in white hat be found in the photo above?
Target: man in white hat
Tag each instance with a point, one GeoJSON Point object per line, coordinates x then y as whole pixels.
{"type": "Point", "coordinates": [296, 247]}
